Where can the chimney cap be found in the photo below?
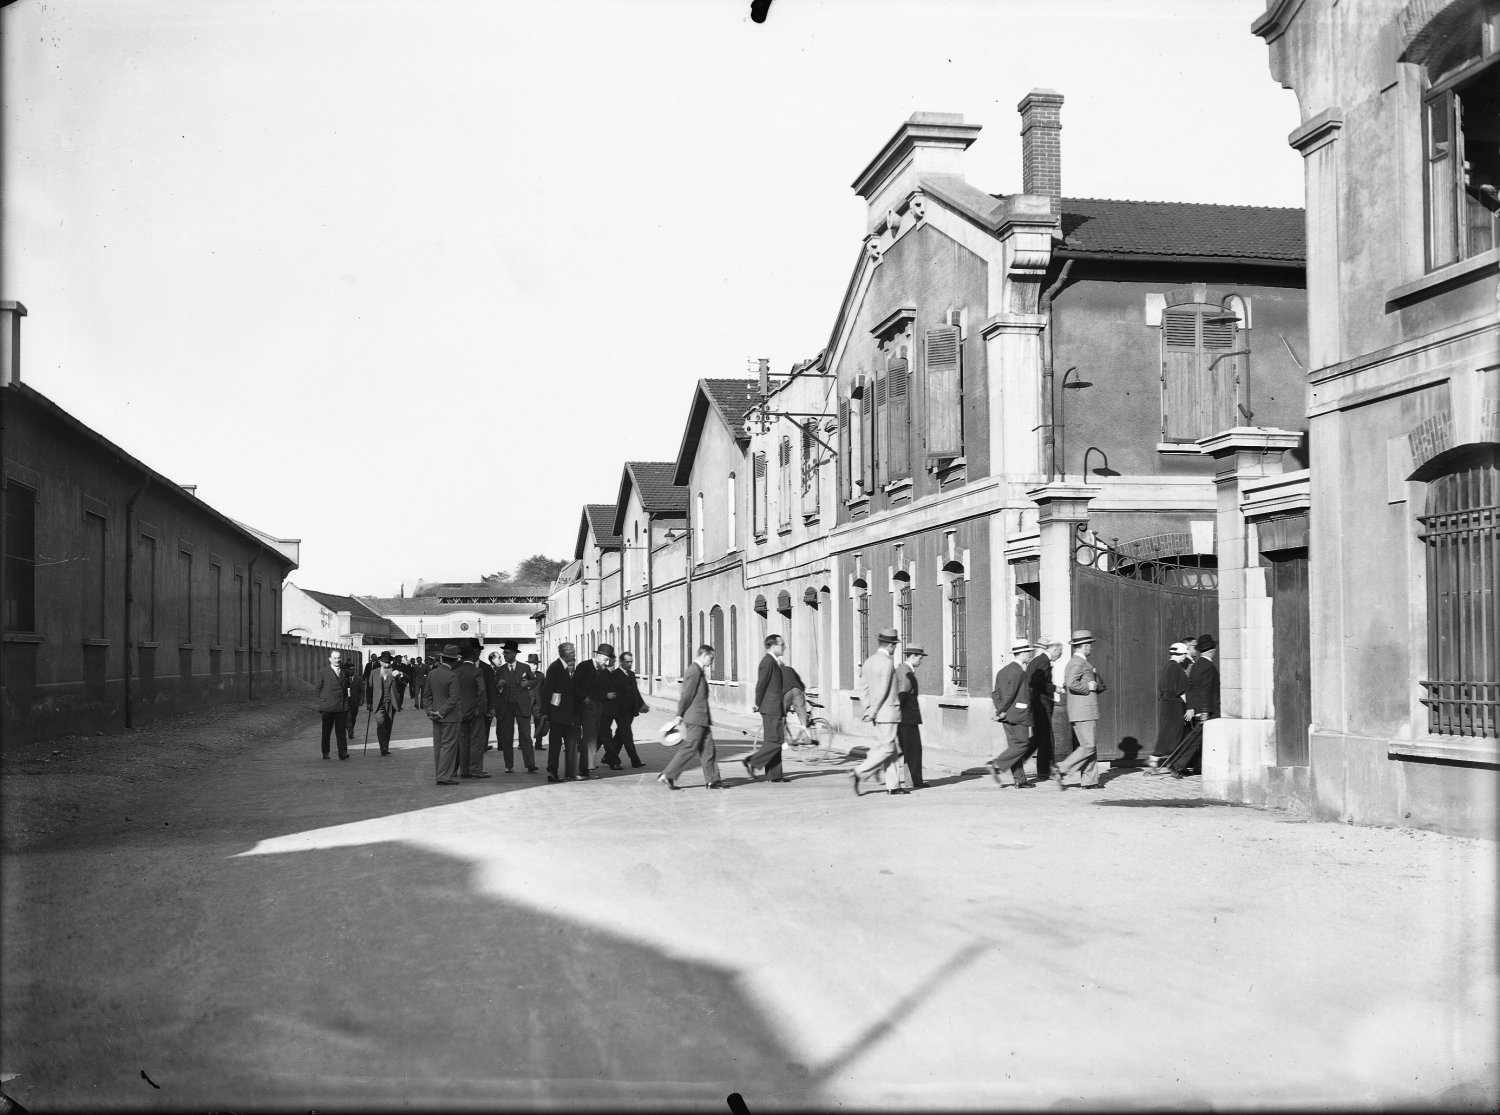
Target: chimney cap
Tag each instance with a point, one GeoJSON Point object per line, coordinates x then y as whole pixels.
{"type": "Point", "coordinates": [19, 309]}
{"type": "Point", "coordinates": [1040, 96]}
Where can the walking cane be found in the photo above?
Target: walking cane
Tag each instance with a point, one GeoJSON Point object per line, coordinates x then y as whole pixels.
{"type": "Point", "coordinates": [366, 751]}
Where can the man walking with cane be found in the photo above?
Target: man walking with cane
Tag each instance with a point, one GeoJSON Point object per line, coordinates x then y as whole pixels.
{"type": "Point", "coordinates": [381, 699]}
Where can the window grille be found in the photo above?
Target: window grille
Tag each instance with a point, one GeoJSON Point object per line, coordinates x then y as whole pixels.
{"type": "Point", "coordinates": [1462, 537]}
{"type": "Point", "coordinates": [903, 610]}
{"type": "Point", "coordinates": [863, 612]}
{"type": "Point", "coordinates": [959, 656]}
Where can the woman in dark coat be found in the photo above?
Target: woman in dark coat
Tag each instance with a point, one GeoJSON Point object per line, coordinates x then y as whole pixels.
{"type": "Point", "coordinates": [1171, 692]}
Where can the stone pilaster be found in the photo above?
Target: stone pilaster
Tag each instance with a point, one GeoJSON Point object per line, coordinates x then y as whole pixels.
{"type": "Point", "coordinates": [1238, 747]}
{"type": "Point", "coordinates": [1061, 507]}
{"type": "Point", "coordinates": [11, 314]}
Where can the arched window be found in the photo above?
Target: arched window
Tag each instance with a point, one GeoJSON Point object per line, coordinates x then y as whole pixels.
{"type": "Point", "coordinates": [734, 643]}
{"type": "Point", "coordinates": [956, 624]}
{"type": "Point", "coordinates": [903, 595]}
{"type": "Point", "coordinates": [716, 640]}
{"type": "Point", "coordinates": [861, 620]}
{"type": "Point", "coordinates": [1459, 528]}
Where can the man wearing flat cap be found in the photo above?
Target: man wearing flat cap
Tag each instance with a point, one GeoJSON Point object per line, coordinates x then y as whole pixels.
{"type": "Point", "coordinates": [883, 710]}
{"type": "Point", "coordinates": [382, 697]}
{"type": "Point", "coordinates": [441, 701]}
{"type": "Point", "coordinates": [1084, 684]}
{"type": "Point", "coordinates": [909, 730]}
{"type": "Point", "coordinates": [1012, 698]}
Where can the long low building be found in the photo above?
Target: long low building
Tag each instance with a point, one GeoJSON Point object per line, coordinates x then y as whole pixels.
{"type": "Point", "coordinates": [124, 595]}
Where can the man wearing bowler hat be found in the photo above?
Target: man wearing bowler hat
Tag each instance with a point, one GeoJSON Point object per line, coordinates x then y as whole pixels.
{"type": "Point", "coordinates": [909, 731]}
{"type": "Point", "coordinates": [517, 683]}
{"type": "Point", "coordinates": [595, 686]}
{"type": "Point", "coordinates": [1083, 683]}
{"type": "Point", "coordinates": [883, 710]}
{"type": "Point", "coordinates": [535, 662]}
{"type": "Point", "coordinates": [473, 700]}
{"type": "Point", "coordinates": [383, 700]}
{"type": "Point", "coordinates": [1012, 697]}
{"type": "Point", "coordinates": [441, 701]}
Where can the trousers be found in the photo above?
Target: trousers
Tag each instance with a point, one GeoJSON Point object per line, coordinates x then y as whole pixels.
{"type": "Point", "coordinates": [1083, 757]}
{"type": "Point", "coordinates": [336, 722]}
{"type": "Point", "coordinates": [445, 748]}
{"type": "Point", "coordinates": [768, 754]}
{"type": "Point", "coordinates": [885, 755]}
{"type": "Point", "coordinates": [1019, 747]}
{"type": "Point", "coordinates": [385, 717]}
{"type": "Point", "coordinates": [507, 725]}
{"type": "Point", "coordinates": [566, 744]}
{"type": "Point", "coordinates": [697, 742]}
{"type": "Point", "coordinates": [617, 733]}
{"type": "Point", "coordinates": [909, 738]}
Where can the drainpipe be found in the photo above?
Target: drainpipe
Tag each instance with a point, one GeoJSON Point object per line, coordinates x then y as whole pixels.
{"type": "Point", "coordinates": [651, 650]}
{"type": "Point", "coordinates": [1049, 430]}
{"type": "Point", "coordinates": [250, 626]}
{"type": "Point", "coordinates": [687, 622]}
{"type": "Point", "coordinates": [130, 599]}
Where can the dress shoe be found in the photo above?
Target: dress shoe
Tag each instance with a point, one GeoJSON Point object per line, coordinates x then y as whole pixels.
{"type": "Point", "coordinates": [995, 774]}
{"type": "Point", "coordinates": [854, 782]}
{"type": "Point", "coordinates": [749, 770]}
{"type": "Point", "coordinates": [637, 764]}
{"type": "Point", "coordinates": [385, 754]}
{"type": "Point", "coordinates": [447, 782]}
{"type": "Point", "coordinates": [325, 756]}
{"type": "Point", "coordinates": [1025, 785]}
{"type": "Point", "coordinates": [892, 793]}
{"type": "Point", "coordinates": [667, 782]}
{"type": "Point", "coordinates": [1058, 779]}
{"type": "Point", "coordinates": [482, 774]}
{"type": "Point", "coordinates": [1093, 786]}
{"type": "Point", "coordinates": [717, 784]}
{"type": "Point", "coordinates": [781, 780]}
{"type": "Point", "coordinates": [530, 770]}
{"type": "Point", "coordinates": [343, 756]}
{"type": "Point", "coordinates": [553, 778]}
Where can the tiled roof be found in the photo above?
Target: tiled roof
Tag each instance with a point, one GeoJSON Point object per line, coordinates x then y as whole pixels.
{"type": "Point", "coordinates": [602, 520]}
{"type": "Point", "coordinates": [483, 589]}
{"type": "Point", "coordinates": [388, 606]}
{"type": "Point", "coordinates": [343, 604]}
{"type": "Point", "coordinates": [731, 398]}
{"type": "Point", "coordinates": [1183, 229]}
{"type": "Point", "coordinates": [653, 480]}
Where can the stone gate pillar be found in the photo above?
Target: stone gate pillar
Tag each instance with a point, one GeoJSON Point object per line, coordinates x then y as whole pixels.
{"type": "Point", "coordinates": [1061, 507]}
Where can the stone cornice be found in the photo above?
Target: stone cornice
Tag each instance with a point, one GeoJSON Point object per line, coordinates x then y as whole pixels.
{"type": "Point", "coordinates": [893, 321]}
{"type": "Point", "coordinates": [1254, 439]}
{"type": "Point", "coordinates": [1318, 132]}
{"type": "Point", "coordinates": [924, 129]}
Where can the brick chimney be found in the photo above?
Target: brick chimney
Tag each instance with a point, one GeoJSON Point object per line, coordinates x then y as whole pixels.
{"type": "Point", "coordinates": [11, 314]}
{"type": "Point", "coordinates": [1041, 144]}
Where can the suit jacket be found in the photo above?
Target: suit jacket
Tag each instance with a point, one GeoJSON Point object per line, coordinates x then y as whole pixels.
{"type": "Point", "coordinates": [1011, 696]}
{"type": "Point", "coordinates": [791, 679]}
{"type": "Point", "coordinates": [692, 705]}
{"type": "Point", "coordinates": [1039, 685]}
{"type": "Point", "coordinates": [877, 679]}
{"type": "Point", "coordinates": [591, 683]}
{"type": "Point", "coordinates": [556, 695]}
{"type": "Point", "coordinates": [769, 688]}
{"type": "Point", "coordinates": [906, 694]}
{"type": "Point", "coordinates": [356, 683]}
{"type": "Point", "coordinates": [517, 685]}
{"type": "Point", "coordinates": [628, 702]}
{"type": "Point", "coordinates": [383, 689]}
{"type": "Point", "coordinates": [1082, 705]}
{"type": "Point", "coordinates": [331, 690]}
{"type": "Point", "coordinates": [491, 687]}
{"type": "Point", "coordinates": [1203, 687]}
{"type": "Point", "coordinates": [469, 684]}
{"type": "Point", "coordinates": [442, 694]}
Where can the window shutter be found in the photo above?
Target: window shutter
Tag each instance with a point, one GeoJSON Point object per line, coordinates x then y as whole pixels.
{"type": "Point", "coordinates": [879, 435]}
{"type": "Point", "coordinates": [845, 476]}
{"type": "Point", "coordinates": [758, 495]}
{"type": "Point", "coordinates": [1442, 245]}
{"type": "Point", "coordinates": [784, 482]}
{"type": "Point", "coordinates": [810, 473]}
{"type": "Point", "coordinates": [866, 437]}
{"type": "Point", "coordinates": [944, 386]}
{"type": "Point", "coordinates": [898, 434]}
{"type": "Point", "coordinates": [1181, 378]}
{"type": "Point", "coordinates": [1220, 383]}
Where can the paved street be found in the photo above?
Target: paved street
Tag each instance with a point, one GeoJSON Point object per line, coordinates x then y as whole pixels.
{"type": "Point", "coordinates": [273, 930]}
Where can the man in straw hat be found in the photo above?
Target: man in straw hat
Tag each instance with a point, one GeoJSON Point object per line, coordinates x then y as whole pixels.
{"type": "Point", "coordinates": [1012, 698]}
{"type": "Point", "coordinates": [883, 710]}
{"type": "Point", "coordinates": [909, 730]}
{"type": "Point", "coordinates": [1084, 685]}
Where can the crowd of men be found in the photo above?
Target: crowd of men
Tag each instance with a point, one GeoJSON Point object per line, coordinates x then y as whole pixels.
{"type": "Point", "coordinates": [586, 711]}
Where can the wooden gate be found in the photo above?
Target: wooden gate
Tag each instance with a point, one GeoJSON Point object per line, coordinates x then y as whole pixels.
{"type": "Point", "coordinates": [1136, 607]}
{"type": "Point", "coordinates": [1290, 650]}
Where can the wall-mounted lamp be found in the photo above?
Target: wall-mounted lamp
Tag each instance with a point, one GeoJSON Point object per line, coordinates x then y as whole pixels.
{"type": "Point", "coordinates": [1062, 411]}
{"type": "Point", "coordinates": [1102, 470]}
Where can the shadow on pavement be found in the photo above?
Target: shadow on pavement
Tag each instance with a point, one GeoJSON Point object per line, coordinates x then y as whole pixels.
{"type": "Point", "coordinates": [1159, 803]}
{"type": "Point", "coordinates": [375, 974]}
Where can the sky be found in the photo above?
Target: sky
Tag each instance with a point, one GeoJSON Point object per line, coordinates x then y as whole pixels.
{"type": "Point", "coordinates": [410, 280]}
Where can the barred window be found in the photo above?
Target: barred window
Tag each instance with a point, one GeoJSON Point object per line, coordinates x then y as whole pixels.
{"type": "Point", "coordinates": [1461, 530]}
{"type": "Point", "coordinates": [958, 658]}
{"type": "Point", "coordinates": [862, 619]}
{"type": "Point", "coordinates": [903, 606]}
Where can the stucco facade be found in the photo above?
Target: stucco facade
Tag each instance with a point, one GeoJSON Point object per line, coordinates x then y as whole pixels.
{"type": "Point", "coordinates": [1404, 407]}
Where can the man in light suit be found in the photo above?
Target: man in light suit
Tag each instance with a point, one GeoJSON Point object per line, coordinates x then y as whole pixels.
{"type": "Point", "coordinates": [331, 694]}
{"type": "Point", "coordinates": [1084, 685]}
{"type": "Point", "coordinates": [440, 699]}
{"type": "Point", "coordinates": [882, 709]}
{"type": "Point", "coordinates": [517, 682]}
{"type": "Point", "coordinates": [1012, 698]}
{"type": "Point", "coordinates": [769, 695]}
{"type": "Point", "coordinates": [696, 723]}
{"type": "Point", "coordinates": [473, 699]}
{"type": "Point", "coordinates": [562, 711]}
{"type": "Point", "coordinates": [383, 700]}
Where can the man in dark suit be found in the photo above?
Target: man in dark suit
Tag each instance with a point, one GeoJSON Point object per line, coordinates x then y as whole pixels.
{"type": "Point", "coordinates": [383, 700]}
{"type": "Point", "coordinates": [517, 682]}
{"type": "Point", "coordinates": [538, 713]}
{"type": "Point", "coordinates": [695, 722]}
{"type": "Point", "coordinates": [620, 712]}
{"type": "Point", "coordinates": [794, 699]}
{"type": "Point", "coordinates": [355, 681]}
{"type": "Point", "coordinates": [418, 680]}
{"type": "Point", "coordinates": [491, 690]}
{"type": "Point", "coordinates": [909, 730]}
{"type": "Point", "coordinates": [1043, 702]}
{"type": "Point", "coordinates": [1012, 698]}
{"type": "Point", "coordinates": [331, 699]}
{"type": "Point", "coordinates": [770, 692]}
{"type": "Point", "coordinates": [562, 712]}
{"type": "Point", "coordinates": [473, 700]}
{"type": "Point", "coordinates": [591, 682]}
{"type": "Point", "coordinates": [441, 701]}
